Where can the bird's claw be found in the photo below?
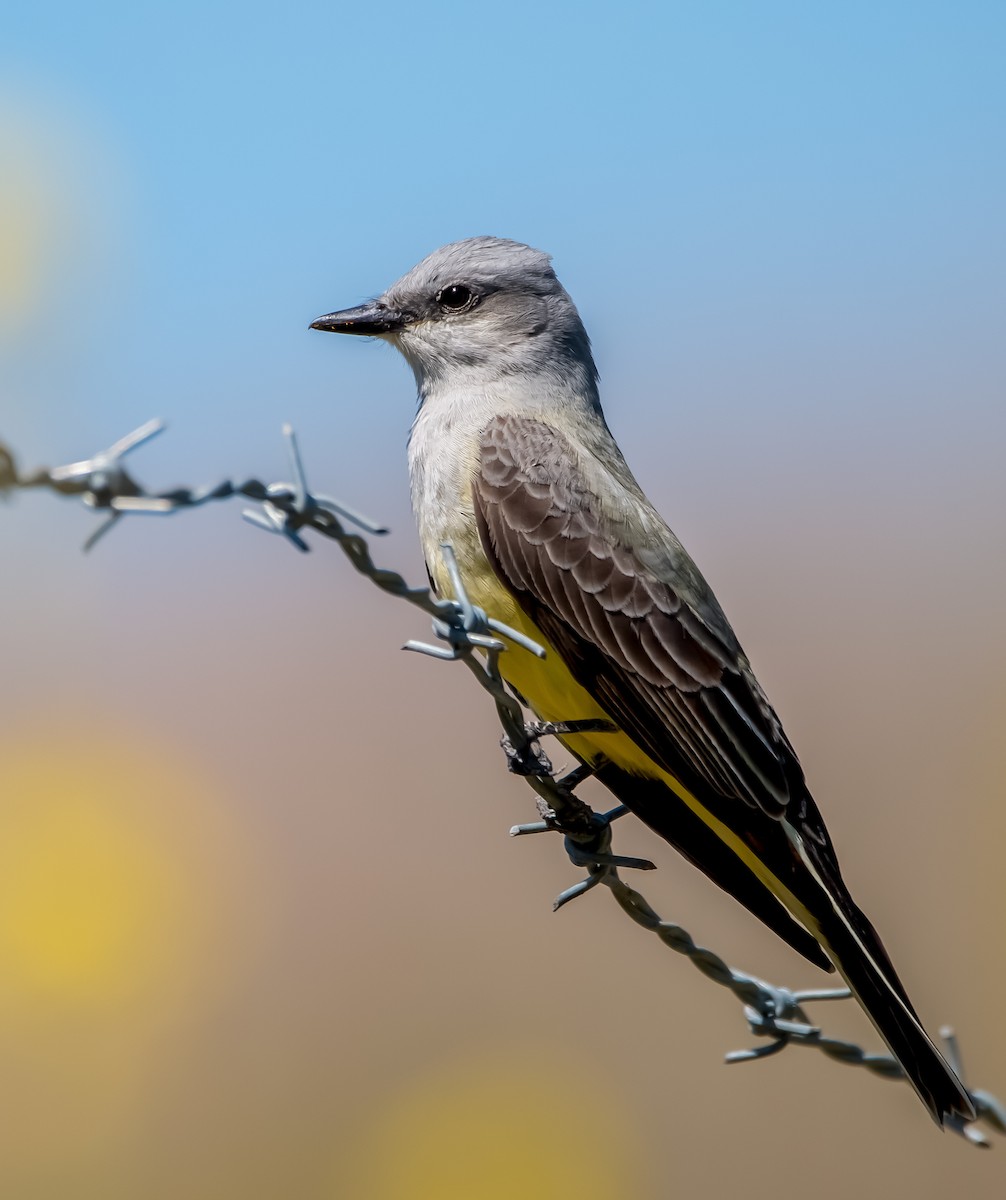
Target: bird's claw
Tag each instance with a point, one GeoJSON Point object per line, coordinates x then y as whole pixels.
{"type": "Point", "coordinates": [528, 758]}
{"type": "Point", "coordinates": [539, 729]}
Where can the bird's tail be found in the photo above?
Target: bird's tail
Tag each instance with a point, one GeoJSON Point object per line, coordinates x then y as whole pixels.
{"type": "Point", "coordinates": [856, 949]}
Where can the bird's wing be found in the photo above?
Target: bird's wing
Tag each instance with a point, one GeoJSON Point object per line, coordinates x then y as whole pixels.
{"type": "Point", "coordinates": [631, 618]}
{"type": "Point", "coordinates": [675, 682]}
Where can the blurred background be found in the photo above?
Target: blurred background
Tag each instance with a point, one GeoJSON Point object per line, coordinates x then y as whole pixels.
{"type": "Point", "coordinates": [262, 931]}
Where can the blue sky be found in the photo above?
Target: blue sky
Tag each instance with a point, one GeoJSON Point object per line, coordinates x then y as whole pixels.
{"type": "Point", "coordinates": [766, 212]}
{"type": "Point", "coordinates": [735, 162]}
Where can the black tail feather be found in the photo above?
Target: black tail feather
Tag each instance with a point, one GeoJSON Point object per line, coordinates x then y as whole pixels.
{"type": "Point", "coordinates": [860, 956]}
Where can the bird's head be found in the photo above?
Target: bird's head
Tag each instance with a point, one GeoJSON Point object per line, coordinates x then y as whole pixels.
{"type": "Point", "coordinates": [477, 310]}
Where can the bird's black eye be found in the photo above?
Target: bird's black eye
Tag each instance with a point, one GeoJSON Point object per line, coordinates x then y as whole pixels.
{"type": "Point", "coordinates": [456, 297]}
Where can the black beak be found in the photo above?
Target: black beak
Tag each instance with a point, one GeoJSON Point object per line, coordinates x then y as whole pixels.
{"type": "Point", "coordinates": [368, 320]}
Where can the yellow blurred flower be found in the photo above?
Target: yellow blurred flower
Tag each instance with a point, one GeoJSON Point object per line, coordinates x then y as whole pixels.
{"type": "Point", "coordinates": [88, 904]}
{"type": "Point", "coordinates": [57, 187]}
{"type": "Point", "coordinates": [496, 1128]}
{"type": "Point", "coordinates": [29, 228]}
{"type": "Point", "coordinates": [116, 886]}
{"type": "Point", "coordinates": [94, 905]}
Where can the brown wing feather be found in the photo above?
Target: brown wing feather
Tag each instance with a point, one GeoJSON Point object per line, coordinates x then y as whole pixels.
{"type": "Point", "coordinates": [680, 688]}
{"type": "Point", "coordinates": [677, 683]}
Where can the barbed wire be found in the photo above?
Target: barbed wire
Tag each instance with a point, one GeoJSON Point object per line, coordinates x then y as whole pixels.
{"type": "Point", "coordinates": [288, 509]}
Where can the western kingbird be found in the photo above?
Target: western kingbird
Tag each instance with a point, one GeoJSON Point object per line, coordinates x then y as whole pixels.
{"type": "Point", "coordinates": [511, 461]}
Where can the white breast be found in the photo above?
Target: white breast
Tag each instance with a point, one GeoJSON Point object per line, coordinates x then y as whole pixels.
{"type": "Point", "coordinates": [443, 455]}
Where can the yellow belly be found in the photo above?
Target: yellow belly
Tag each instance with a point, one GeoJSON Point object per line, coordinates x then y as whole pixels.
{"type": "Point", "coordinates": [554, 695]}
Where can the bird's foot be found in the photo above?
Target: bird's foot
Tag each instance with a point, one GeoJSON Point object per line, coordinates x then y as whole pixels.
{"type": "Point", "coordinates": [528, 758]}
{"type": "Point", "coordinates": [540, 729]}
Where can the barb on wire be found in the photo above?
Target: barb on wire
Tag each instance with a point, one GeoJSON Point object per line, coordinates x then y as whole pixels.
{"type": "Point", "coordinates": [777, 1014]}
{"type": "Point", "coordinates": [286, 508]}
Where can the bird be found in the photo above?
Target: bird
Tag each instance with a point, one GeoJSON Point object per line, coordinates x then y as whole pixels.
{"type": "Point", "coordinates": [512, 463]}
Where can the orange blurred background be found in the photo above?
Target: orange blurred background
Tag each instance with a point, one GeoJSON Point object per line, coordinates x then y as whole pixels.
{"type": "Point", "coordinates": [262, 930]}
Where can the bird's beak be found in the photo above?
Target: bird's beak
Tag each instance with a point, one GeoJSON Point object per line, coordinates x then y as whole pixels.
{"type": "Point", "coordinates": [368, 320]}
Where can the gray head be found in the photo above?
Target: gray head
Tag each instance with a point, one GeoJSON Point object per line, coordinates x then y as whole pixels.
{"type": "Point", "coordinates": [475, 311]}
